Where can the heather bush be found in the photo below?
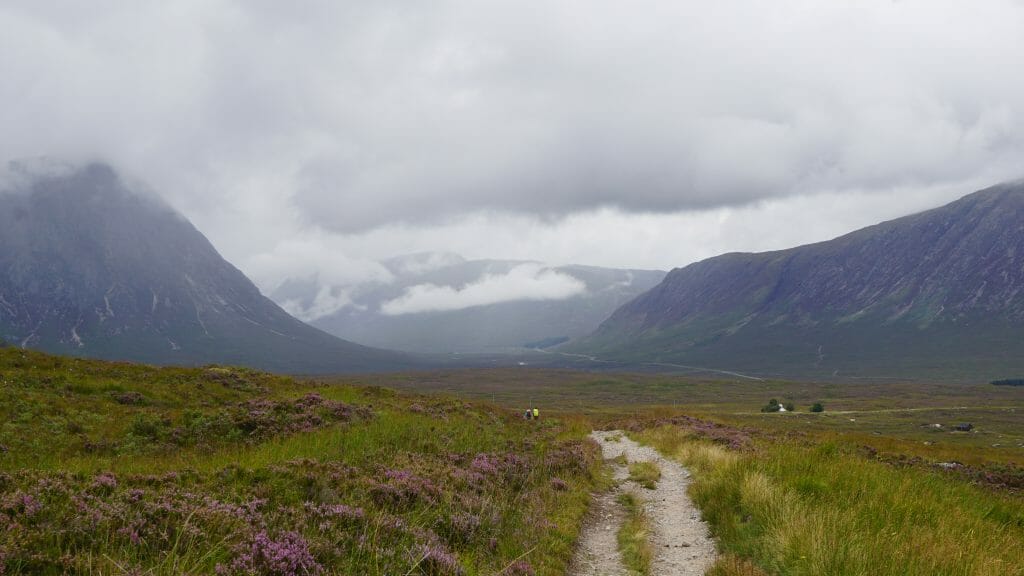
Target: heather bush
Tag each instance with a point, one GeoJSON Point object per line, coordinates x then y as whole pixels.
{"type": "Point", "coordinates": [574, 456]}
{"type": "Point", "coordinates": [436, 561]}
{"type": "Point", "coordinates": [285, 555]}
{"type": "Point", "coordinates": [402, 489]}
{"type": "Point", "coordinates": [129, 398]}
{"type": "Point", "coordinates": [460, 528]}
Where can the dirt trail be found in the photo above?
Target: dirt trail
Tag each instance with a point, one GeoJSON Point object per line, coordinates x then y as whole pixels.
{"type": "Point", "coordinates": [679, 538]}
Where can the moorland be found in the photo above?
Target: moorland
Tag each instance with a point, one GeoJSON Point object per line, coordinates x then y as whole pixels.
{"type": "Point", "coordinates": [119, 468]}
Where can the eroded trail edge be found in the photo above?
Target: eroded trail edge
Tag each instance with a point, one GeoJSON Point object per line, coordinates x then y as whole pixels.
{"type": "Point", "coordinates": [680, 540]}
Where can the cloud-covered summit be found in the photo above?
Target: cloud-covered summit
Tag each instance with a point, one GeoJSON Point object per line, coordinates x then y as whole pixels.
{"type": "Point", "coordinates": [441, 302]}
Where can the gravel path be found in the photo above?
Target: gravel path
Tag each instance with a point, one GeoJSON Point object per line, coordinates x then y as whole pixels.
{"type": "Point", "coordinates": [598, 553]}
{"type": "Point", "coordinates": [679, 538]}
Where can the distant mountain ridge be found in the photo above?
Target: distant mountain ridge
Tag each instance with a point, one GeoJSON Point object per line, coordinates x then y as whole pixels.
{"type": "Point", "coordinates": [512, 322]}
{"type": "Point", "coordinates": [935, 293]}
{"type": "Point", "coordinates": [90, 267]}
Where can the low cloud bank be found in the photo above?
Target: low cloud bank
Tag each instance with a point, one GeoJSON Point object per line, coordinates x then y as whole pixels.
{"type": "Point", "coordinates": [327, 301]}
{"type": "Point", "coordinates": [524, 282]}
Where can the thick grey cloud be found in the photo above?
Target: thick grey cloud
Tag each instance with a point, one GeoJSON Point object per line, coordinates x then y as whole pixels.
{"type": "Point", "coordinates": [320, 136]}
{"type": "Point", "coordinates": [372, 112]}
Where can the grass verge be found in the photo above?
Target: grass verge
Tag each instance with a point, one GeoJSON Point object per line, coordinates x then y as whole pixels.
{"type": "Point", "coordinates": [822, 508]}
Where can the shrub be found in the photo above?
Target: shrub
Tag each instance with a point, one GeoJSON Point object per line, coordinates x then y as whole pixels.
{"type": "Point", "coordinates": [104, 483]}
{"type": "Point", "coordinates": [130, 398]}
{"type": "Point", "coordinates": [790, 407]}
{"type": "Point", "coordinates": [434, 560]}
{"type": "Point", "coordinates": [287, 555]}
{"type": "Point", "coordinates": [402, 489]}
{"type": "Point", "coordinates": [199, 428]}
{"type": "Point", "coordinates": [817, 407]}
{"type": "Point", "coordinates": [461, 527]}
{"type": "Point", "coordinates": [151, 427]}
{"type": "Point", "coordinates": [574, 456]}
{"type": "Point", "coordinates": [772, 406]}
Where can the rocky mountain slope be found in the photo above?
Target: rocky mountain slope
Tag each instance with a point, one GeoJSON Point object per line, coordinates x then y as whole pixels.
{"type": "Point", "coordinates": [92, 268]}
{"type": "Point", "coordinates": [940, 293]}
{"type": "Point", "coordinates": [442, 303]}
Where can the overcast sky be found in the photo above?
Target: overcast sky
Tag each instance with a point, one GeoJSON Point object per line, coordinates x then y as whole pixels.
{"type": "Point", "coordinates": [321, 136]}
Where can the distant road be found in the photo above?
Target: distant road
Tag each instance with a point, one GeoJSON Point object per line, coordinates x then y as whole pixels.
{"type": "Point", "coordinates": [665, 364]}
{"type": "Point", "coordinates": [890, 410]}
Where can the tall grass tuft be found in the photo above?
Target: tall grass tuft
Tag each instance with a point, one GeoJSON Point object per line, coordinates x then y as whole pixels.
{"type": "Point", "coordinates": [730, 565]}
{"type": "Point", "coordinates": [646, 474]}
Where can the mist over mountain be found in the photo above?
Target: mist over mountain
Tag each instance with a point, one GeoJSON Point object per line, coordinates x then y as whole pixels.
{"type": "Point", "coordinates": [939, 293]}
{"type": "Point", "coordinates": [440, 303]}
{"type": "Point", "coordinates": [92, 267]}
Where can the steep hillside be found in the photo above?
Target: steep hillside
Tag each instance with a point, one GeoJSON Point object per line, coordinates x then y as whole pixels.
{"type": "Point", "coordinates": [91, 268]}
{"type": "Point", "coordinates": [442, 303]}
{"type": "Point", "coordinates": [940, 293]}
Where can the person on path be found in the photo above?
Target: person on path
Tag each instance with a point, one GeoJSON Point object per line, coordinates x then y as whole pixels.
{"type": "Point", "coordinates": [529, 414]}
{"type": "Point", "coordinates": [536, 414]}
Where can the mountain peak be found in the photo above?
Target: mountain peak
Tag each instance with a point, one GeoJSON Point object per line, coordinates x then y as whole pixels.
{"type": "Point", "coordinates": [91, 267]}
{"type": "Point", "coordinates": [100, 173]}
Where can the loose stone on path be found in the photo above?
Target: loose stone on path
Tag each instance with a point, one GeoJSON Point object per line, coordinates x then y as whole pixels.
{"type": "Point", "coordinates": [679, 540]}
